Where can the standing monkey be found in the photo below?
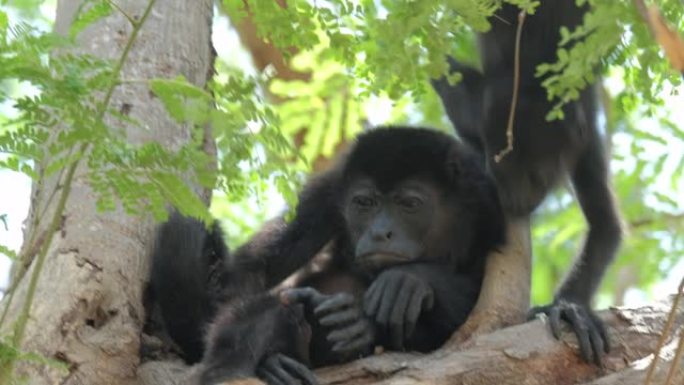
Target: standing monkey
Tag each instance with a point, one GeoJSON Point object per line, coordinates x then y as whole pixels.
{"type": "Point", "coordinates": [544, 152]}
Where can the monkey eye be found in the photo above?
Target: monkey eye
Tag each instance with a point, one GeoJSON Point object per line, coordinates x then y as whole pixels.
{"type": "Point", "coordinates": [410, 203]}
{"type": "Point", "coordinates": [364, 201]}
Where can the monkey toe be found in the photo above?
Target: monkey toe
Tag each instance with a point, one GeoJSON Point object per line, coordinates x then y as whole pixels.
{"type": "Point", "coordinates": [591, 333]}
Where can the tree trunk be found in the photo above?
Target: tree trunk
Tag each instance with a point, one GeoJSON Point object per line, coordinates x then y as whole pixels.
{"type": "Point", "coordinates": [87, 311]}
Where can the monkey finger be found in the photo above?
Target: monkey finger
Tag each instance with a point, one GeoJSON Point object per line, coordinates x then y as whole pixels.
{"type": "Point", "coordinates": [555, 321]}
{"type": "Point", "coordinates": [340, 317]}
{"type": "Point", "coordinates": [277, 367]}
{"type": "Point", "coordinates": [348, 333]}
{"type": "Point", "coordinates": [582, 331]}
{"type": "Point", "coordinates": [387, 303]}
{"type": "Point", "coordinates": [396, 333]}
{"type": "Point", "coordinates": [428, 298]}
{"type": "Point", "coordinates": [269, 378]}
{"type": "Point", "coordinates": [306, 295]}
{"type": "Point", "coordinates": [396, 322]}
{"type": "Point", "coordinates": [334, 303]}
{"type": "Point", "coordinates": [412, 314]}
{"type": "Point", "coordinates": [596, 345]}
{"type": "Point", "coordinates": [300, 371]}
{"type": "Point", "coordinates": [598, 323]}
{"type": "Point", "coordinates": [372, 297]}
{"type": "Point", "coordinates": [274, 374]}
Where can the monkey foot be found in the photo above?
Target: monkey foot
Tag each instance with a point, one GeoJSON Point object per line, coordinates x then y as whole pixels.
{"type": "Point", "coordinates": [592, 335]}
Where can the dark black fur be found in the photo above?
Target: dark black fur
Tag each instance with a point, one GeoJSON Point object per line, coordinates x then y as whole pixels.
{"type": "Point", "coordinates": [544, 152]}
{"type": "Point", "coordinates": [255, 329]}
{"type": "Point", "coordinates": [187, 261]}
{"type": "Point", "coordinates": [448, 274]}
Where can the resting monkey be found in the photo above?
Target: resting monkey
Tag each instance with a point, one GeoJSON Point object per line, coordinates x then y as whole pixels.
{"type": "Point", "coordinates": [411, 215]}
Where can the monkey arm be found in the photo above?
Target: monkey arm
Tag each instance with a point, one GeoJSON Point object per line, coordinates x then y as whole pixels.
{"type": "Point", "coordinates": [340, 330]}
{"type": "Point", "coordinates": [281, 248]}
{"type": "Point", "coordinates": [418, 306]}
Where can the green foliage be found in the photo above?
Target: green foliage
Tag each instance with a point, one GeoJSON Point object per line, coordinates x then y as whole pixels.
{"type": "Point", "coordinates": [28, 9]}
{"type": "Point", "coordinates": [9, 253]}
{"type": "Point", "coordinates": [89, 12]}
{"type": "Point", "coordinates": [253, 151]}
{"type": "Point", "coordinates": [139, 178]}
{"type": "Point", "coordinates": [390, 48]}
{"type": "Point", "coordinates": [327, 108]}
{"type": "Point", "coordinates": [612, 34]}
{"type": "Point", "coordinates": [395, 47]}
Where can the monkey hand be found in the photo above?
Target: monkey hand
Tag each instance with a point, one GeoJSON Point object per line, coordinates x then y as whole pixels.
{"type": "Point", "coordinates": [591, 333]}
{"type": "Point", "coordinates": [350, 332]}
{"type": "Point", "coordinates": [279, 369]}
{"type": "Point", "coordinates": [395, 300]}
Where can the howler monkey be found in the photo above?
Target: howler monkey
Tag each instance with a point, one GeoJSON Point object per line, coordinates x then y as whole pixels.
{"type": "Point", "coordinates": [544, 152]}
{"type": "Point", "coordinates": [410, 216]}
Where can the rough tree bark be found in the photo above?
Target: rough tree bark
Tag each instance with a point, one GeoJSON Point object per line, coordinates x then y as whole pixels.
{"type": "Point", "coordinates": [88, 310]}
{"type": "Point", "coordinates": [523, 354]}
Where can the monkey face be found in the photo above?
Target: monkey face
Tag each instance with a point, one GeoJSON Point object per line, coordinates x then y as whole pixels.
{"type": "Point", "coordinates": [396, 225]}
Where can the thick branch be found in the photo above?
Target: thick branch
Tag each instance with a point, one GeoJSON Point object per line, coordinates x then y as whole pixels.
{"type": "Point", "coordinates": [522, 354]}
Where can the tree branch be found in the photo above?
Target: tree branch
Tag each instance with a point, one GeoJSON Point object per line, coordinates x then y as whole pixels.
{"type": "Point", "coordinates": [522, 354]}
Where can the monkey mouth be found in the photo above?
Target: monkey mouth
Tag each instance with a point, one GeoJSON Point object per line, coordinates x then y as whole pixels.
{"type": "Point", "coordinates": [381, 258]}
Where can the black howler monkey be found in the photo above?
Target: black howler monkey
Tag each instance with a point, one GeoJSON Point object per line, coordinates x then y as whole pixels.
{"type": "Point", "coordinates": [544, 151]}
{"type": "Point", "coordinates": [411, 215]}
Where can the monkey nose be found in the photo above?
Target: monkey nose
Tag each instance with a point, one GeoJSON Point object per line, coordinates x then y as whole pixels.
{"type": "Point", "coordinates": [382, 236]}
